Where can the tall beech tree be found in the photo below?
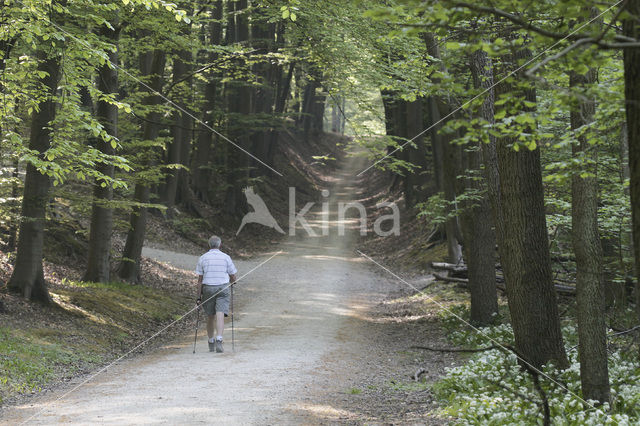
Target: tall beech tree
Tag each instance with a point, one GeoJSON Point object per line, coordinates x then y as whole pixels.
{"type": "Point", "coordinates": [588, 250]}
{"type": "Point", "coordinates": [28, 274]}
{"type": "Point", "coordinates": [448, 154]}
{"type": "Point", "coordinates": [631, 29]}
{"type": "Point", "coordinates": [200, 169]}
{"type": "Point", "coordinates": [477, 226]}
{"type": "Point", "coordinates": [239, 105]}
{"type": "Point", "coordinates": [524, 247]}
{"type": "Point", "coordinates": [152, 65]}
{"type": "Point", "coordinates": [101, 227]}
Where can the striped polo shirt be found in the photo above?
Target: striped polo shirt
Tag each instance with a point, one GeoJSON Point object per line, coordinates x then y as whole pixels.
{"type": "Point", "coordinates": [215, 267]}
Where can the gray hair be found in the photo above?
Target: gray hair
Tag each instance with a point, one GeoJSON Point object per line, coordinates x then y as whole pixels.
{"type": "Point", "coordinates": [214, 242]}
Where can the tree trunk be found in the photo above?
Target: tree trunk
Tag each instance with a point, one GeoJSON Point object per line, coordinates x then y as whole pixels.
{"type": "Point", "coordinates": [478, 233]}
{"type": "Point", "coordinates": [631, 28]}
{"type": "Point", "coordinates": [129, 269]}
{"type": "Point", "coordinates": [28, 275]}
{"type": "Point", "coordinates": [415, 181]}
{"type": "Point", "coordinates": [239, 101]}
{"type": "Point", "coordinates": [336, 115]}
{"type": "Point", "coordinates": [389, 104]}
{"type": "Point", "coordinates": [6, 46]}
{"type": "Point", "coordinates": [184, 196]}
{"type": "Point", "coordinates": [285, 91]}
{"type": "Point", "coordinates": [98, 263]}
{"type": "Point", "coordinates": [393, 123]}
{"type": "Point", "coordinates": [174, 147]}
{"type": "Point", "coordinates": [308, 107]}
{"type": "Point", "coordinates": [524, 250]}
{"type": "Point", "coordinates": [263, 41]}
{"type": "Point", "coordinates": [482, 67]}
{"type": "Point", "coordinates": [177, 189]}
{"type": "Point", "coordinates": [201, 158]}
{"type": "Point", "coordinates": [14, 206]}
{"type": "Point", "coordinates": [279, 109]}
{"type": "Point", "coordinates": [343, 123]}
{"type": "Point", "coordinates": [451, 160]}
{"type": "Point", "coordinates": [319, 105]}
{"type": "Point", "coordinates": [615, 290]}
{"type": "Point", "coordinates": [592, 347]}
{"type": "Point", "coordinates": [399, 126]}
{"type": "Point", "coordinates": [412, 113]}
{"type": "Point", "coordinates": [447, 168]}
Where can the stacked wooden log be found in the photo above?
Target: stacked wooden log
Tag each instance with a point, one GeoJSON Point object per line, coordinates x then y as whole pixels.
{"type": "Point", "coordinates": [459, 274]}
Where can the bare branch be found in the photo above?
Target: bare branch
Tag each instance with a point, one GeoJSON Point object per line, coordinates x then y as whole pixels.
{"type": "Point", "coordinates": [419, 373]}
{"type": "Point", "coordinates": [621, 332]}
{"type": "Point", "coordinates": [621, 41]}
{"type": "Point", "coordinates": [530, 73]}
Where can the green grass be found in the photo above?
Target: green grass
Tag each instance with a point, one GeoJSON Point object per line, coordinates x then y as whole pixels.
{"type": "Point", "coordinates": [29, 359]}
{"type": "Point", "coordinates": [91, 324]}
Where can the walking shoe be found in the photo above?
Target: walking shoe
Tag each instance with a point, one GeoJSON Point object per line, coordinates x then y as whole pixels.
{"type": "Point", "coordinates": [219, 347]}
{"type": "Point", "coordinates": [212, 346]}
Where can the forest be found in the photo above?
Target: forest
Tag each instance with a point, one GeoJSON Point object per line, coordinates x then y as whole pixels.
{"type": "Point", "coordinates": [509, 129]}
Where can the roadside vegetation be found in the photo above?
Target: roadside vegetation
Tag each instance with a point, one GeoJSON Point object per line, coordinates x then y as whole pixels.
{"type": "Point", "coordinates": [512, 130]}
{"type": "Point", "coordinates": [492, 387]}
{"type": "Point", "coordinates": [89, 325]}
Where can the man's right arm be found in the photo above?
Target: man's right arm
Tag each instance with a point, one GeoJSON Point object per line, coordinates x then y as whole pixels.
{"type": "Point", "coordinates": [231, 270]}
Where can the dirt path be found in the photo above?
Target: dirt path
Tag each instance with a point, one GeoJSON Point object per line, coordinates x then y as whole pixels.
{"type": "Point", "coordinates": [303, 338]}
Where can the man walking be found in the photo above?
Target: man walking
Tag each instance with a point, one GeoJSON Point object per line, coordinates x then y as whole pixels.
{"type": "Point", "coordinates": [214, 270]}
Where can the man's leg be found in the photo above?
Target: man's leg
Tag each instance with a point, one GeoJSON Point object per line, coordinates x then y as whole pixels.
{"type": "Point", "coordinates": [210, 326]}
{"type": "Point", "coordinates": [219, 330]}
{"type": "Point", "coordinates": [219, 323]}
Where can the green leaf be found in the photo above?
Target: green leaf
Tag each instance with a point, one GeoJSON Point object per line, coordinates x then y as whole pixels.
{"type": "Point", "coordinates": [452, 45]}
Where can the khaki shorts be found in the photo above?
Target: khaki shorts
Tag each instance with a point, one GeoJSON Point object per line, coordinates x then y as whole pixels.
{"type": "Point", "coordinates": [217, 303]}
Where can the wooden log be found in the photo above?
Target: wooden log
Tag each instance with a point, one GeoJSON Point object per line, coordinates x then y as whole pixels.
{"type": "Point", "coordinates": [440, 277]}
{"type": "Point", "coordinates": [448, 266]}
{"type": "Point", "coordinates": [459, 271]}
{"type": "Point", "coordinates": [561, 289]}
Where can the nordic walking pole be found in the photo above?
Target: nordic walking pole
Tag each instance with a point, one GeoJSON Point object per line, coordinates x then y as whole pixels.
{"type": "Point", "coordinates": [195, 339]}
{"type": "Point", "coordinates": [233, 338]}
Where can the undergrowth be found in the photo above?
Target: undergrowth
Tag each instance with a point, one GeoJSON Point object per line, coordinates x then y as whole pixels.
{"type": "Point", "coordinates": [492, 389]}
{"type": "Point", "coordinates": [88, 325]}
{"type": "Point", "coordinates": [29, 359]}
